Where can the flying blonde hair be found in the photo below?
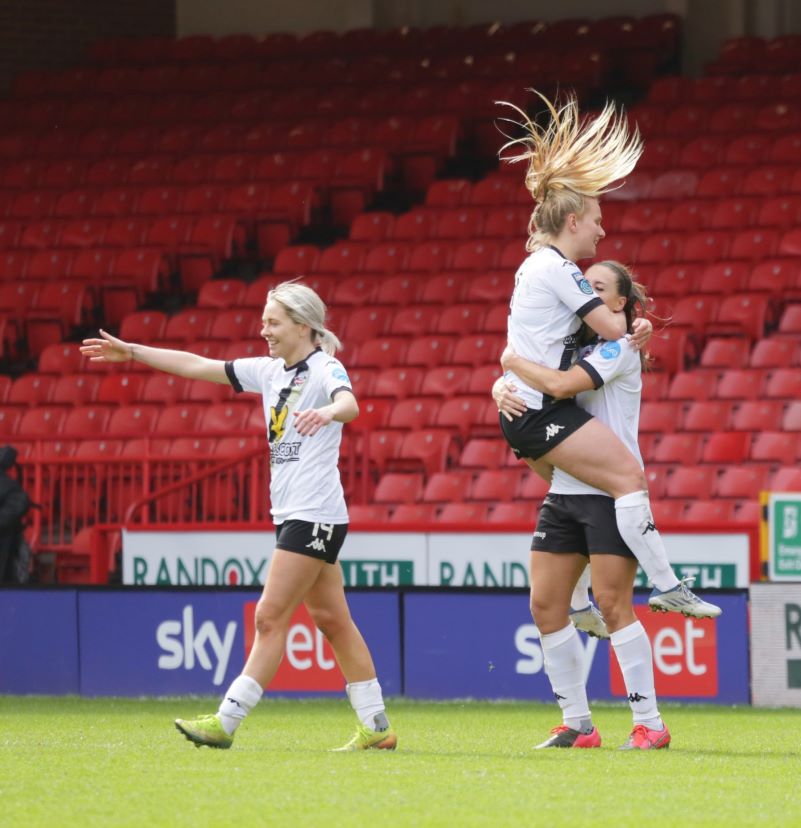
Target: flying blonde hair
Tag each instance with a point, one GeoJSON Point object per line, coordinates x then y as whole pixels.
{"type": "Point", "coordinates": [569, 160]}
{"type": "Point", "coordinates": [305, 307]}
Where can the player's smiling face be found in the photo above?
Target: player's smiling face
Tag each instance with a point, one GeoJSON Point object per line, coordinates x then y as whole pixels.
{"type": "Point", "coordinates": [284, 337]}
{"type": "Point", "coordinates": [604, 283]}
{"type": "Point", "coordinates": [588, 230]}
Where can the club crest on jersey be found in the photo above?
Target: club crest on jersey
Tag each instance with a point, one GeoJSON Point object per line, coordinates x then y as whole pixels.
{"type": "Point", "coordinates": [583, 285]}
{"type": "Point", "coordinates": [610, 350]}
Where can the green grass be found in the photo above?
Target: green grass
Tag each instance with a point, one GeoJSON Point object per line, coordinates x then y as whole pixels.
{"type": "Point", "coordinates": [112, 762]}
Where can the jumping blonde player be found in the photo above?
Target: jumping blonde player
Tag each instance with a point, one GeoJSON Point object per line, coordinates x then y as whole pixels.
{"type": "Point", "coordinates": [307, 396]}
{"type": "Point", "coordinates": [570, 164]}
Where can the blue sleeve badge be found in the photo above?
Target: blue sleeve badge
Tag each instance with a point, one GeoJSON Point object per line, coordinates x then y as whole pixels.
{"type": "Point", "coordinates": [583, 284]}
{"type": "Point", "coordinates": [610, 350]}
{"type": "Point", "coordinates": [341, 374]}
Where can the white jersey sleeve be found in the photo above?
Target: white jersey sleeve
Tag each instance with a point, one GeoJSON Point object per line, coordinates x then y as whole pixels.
{"type": "Point", "coordinates": [574, 290]}
{"type": "Point", "coordinates": [335, 377]}
{"type": "Point", "coordinates": [610, 359]}
{"type": "Point", "coordinates": [251, 373]}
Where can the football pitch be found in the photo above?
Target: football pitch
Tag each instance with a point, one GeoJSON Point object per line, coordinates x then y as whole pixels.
{"type": "Point", "coordinates": [108, 762]}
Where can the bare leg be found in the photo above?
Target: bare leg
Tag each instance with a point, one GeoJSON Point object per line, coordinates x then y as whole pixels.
{"type": "Point", "coordinates": [553, 576]}
{"type": "Point", "coordinates": [328, 608]}
{"type": "Point", "coordinates": [613, 587]}
{"type": "Point", "coordinates": [595, 455]}
{"type": "Point", "coordinates": [289, 579]}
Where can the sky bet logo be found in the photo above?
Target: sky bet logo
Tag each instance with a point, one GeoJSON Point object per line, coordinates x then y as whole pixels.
{"type": "Point", "coordinates": [184, 646]}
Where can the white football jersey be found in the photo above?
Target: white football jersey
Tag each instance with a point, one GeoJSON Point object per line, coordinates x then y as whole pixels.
{"type": "Point", "coordinates": [304, 471]}
{"type": "Point", "coordinates": [616, 372]}
{"type": "Point", "coordinates": [550, 299]}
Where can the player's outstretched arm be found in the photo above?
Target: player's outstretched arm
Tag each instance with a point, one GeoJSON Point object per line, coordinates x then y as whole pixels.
{"type": "Point", "coordinates": [182, 363]}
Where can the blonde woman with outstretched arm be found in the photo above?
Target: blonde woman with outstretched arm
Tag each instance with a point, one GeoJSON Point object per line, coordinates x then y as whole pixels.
{"type": "Point", "coordinates": [307, 396]}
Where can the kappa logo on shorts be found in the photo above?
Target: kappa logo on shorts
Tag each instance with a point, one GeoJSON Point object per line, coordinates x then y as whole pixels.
{"type": "Point", "coordinates": [318, 544]}
{"type": "Point", "coordinates": [551, 430]}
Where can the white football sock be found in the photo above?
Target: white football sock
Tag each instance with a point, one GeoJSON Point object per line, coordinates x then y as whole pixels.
{"type": "Point", "coordinates": [564, 663]}
{"type": "Point", "coordinates": [634, 655]}
{"type": "Point", "coordinates": [367, 702]}
{"type": "Point", "coordinates": [580, 599]}
{"type": "Point", "coordinates": [636, 526]}
{"type": "Point", "coordinates": [241, 697]}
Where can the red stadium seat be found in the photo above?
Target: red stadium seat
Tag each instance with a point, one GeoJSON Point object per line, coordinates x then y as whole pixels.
{"type": "Point", "coordinates": [678, 448]}
{"type": "Point", "coordinates": [756, 415]}
{"type": "Point", "coordinates": [133, 420]}
{"type": "Point", "coordinates": [430, 351]}
{"type": "Point", "coordinates": [723, 277]}
{"type": "Point", "coordinates": [405, 513]}
{"type": "Point", "coordinates": [496, 484]}
{"type": "Point", "coordinates": [770, 447]}
{"type": "Point", "coordinates": [693, 482]}
{"type": "Point", "coordinates": [119, 388]}
{"type": "Point", "coordinates": [785, 479]}
{"type": "Point", "coordinates": [465, 414]}
{"type": "Point", "coordinates": [411, 414]}
{"type": "Point", "coordinates": [476, 513]}
{"type": "Point", "coordinates": [398, 382]}
{"type": "Point", "coordinates": [399, 488]}
{"type": "Point", "coordinates": [726, 447]}
{"type": "Point", "coordinates": [446, 381]}
{"type": "Point", "coordinates": [513, 513]}
{"type": "Point", "coordinates": [86, 421]}
{"type": "Point", "coordinates": [709, 511]}
{"type": "Point", "coordinates": [30, 389]}
{"type": "Point", "coordinates": [368, 513]}
{"type": "Point", "coordinates": [775, 353]}
{"type": "Point", "coordinates": [742, 481]}
{"type": "Point", "coordinates": [740, 384]}
{"type": "Point", "coordinates": [399, 290]}
{"type": "Point", "coordinates": [661, 416]}
{"type": "Point", "coordinates": [446, 487]}
{"type": "Point", "coordinates": [532, 487]}
{"type": "Point", "coordinates": [41, 423]}
{"type": "Point", "coordinates": [483, 454]}
{"type": "Point", "coordinates": [431, 449]}
{"type": "Point", "coordinates": [444, 289]}
{"type": "Point", "coordinates": [728, 352]}
{"type": "Point", "coordinates": [381, 352]}
{"type": "Point", "coordinates": [792, 417]}
{"type": "Point", "coordinates": [708, 415]}
{"type": "Point", "coordinates": [692, 385]}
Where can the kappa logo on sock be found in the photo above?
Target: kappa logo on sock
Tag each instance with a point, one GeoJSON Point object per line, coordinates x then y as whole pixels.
{"type": "Point", "coordinates": [649, 527]}
{"type": "Point", "coordinates": [234, 701]}
{"type": "Point", "coordinates": [558, 697]}
{"type": "Point", "coordinates": [636, 697]}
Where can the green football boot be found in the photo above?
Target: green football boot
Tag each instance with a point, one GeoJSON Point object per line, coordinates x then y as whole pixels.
{"type": "Point", "coordinates": [205, 730]}
{"type": "Point", "coordinates": [383, 738]}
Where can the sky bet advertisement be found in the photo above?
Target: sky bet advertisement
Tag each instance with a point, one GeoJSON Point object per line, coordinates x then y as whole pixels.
{"type": "Point", "coordinates": [426, 644]}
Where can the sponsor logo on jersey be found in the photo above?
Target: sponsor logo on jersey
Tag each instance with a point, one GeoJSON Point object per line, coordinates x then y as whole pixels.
{"type": "Point", "coordinates": [551, 430]}
{"type": "Point", "coordinates": [281, 453]}
{"type": "Point", "coordinates": [610, 350]}
{"type": "Point", "coordinates": [342, 375]}
{"type": "Point", "coordinates": [583, 285]}
{"type": "Point", "coordinates": [277, 423]}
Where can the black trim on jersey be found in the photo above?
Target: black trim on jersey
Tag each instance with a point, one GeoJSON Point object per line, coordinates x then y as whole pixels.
{"type": "Point", "coordinates": [557, 250]}
{"type": "Point", "coordinates": [597, 379]}
{"type": "Point", "coordinates": [231, 374]}
{"type": "Point", "coordinates": [595, 302]}
{"type": "Point", "coordinates": [341, 388]}
{"type": "Point", "coordinates": [302, 362]}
